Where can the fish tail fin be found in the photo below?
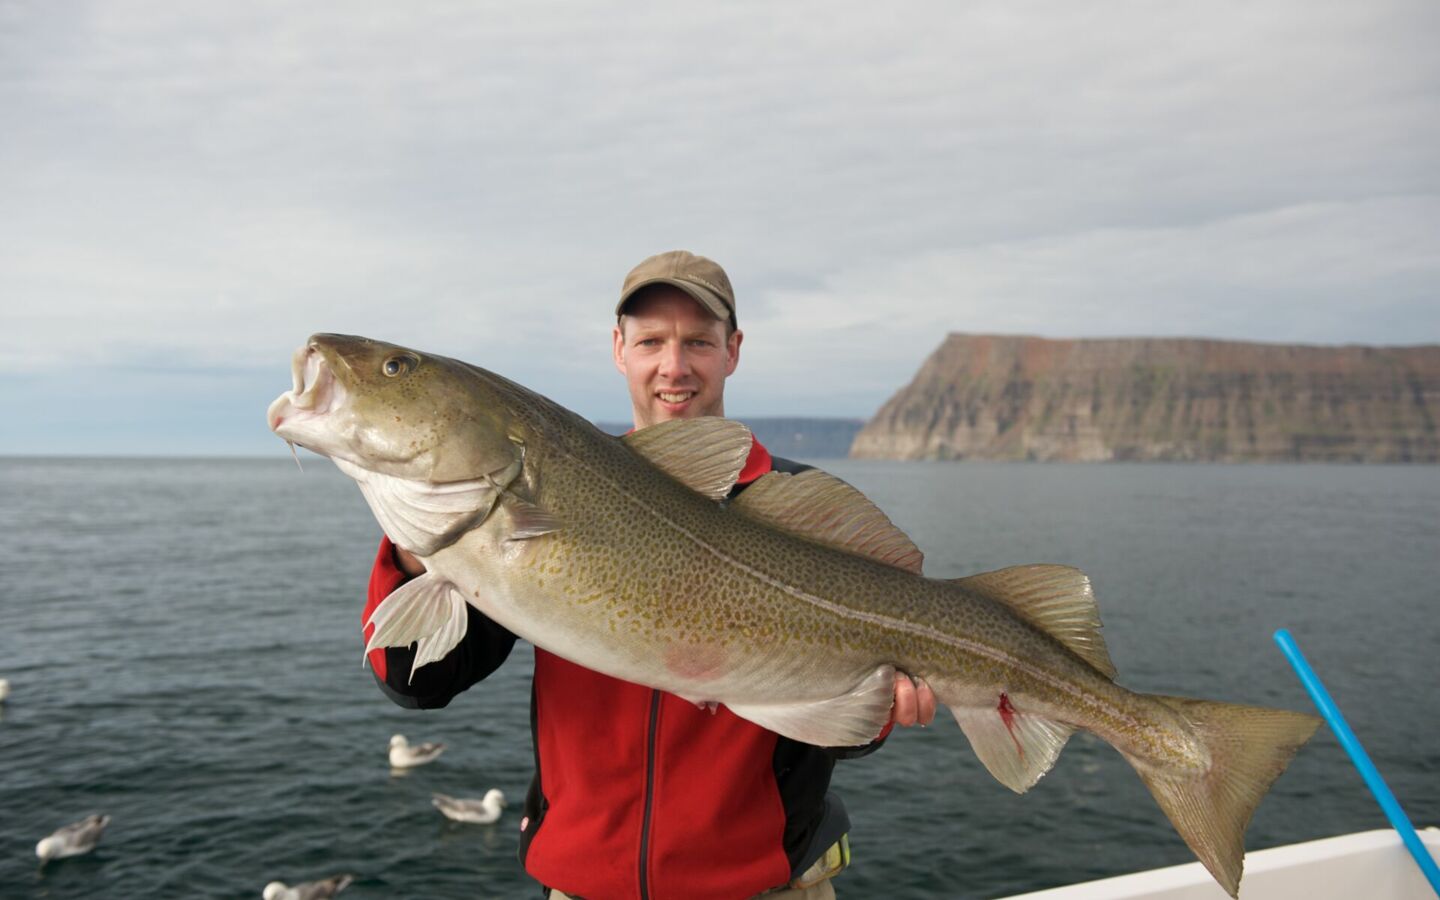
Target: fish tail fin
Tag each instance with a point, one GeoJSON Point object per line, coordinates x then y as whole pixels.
{"type": "Point", "coordinates": [1249, 746]}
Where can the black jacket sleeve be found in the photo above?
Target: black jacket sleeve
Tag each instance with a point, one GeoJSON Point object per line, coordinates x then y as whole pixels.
{"type": "Point", "coordinates": [484, 647]}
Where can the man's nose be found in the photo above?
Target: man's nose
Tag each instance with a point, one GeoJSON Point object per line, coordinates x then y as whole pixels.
{"type": "Point", "coordinates": [674, 362]}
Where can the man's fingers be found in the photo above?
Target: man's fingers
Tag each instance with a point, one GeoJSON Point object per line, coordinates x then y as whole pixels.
{"type": "Point", "coordinates": [905, 700]}
{"type": "Point", "coordinates": [409, 563]}
{"type": "Point", "coordinates": [914, 701]}
{"type": "Point", "coordinates": [924, 702]}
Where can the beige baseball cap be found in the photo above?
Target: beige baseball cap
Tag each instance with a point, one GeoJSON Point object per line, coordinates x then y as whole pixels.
{"type": "Point", "coordinates": [697, 276]}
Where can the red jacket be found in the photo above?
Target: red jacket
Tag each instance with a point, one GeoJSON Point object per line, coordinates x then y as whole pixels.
{"type": "Point", "coordinates": [638, 793]}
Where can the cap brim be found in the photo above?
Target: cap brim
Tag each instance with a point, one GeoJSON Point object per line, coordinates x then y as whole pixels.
{"type": "Point", "coordinates": [706, 298]}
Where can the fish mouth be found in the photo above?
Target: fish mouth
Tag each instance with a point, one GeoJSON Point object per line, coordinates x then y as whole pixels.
{"type": "Point", "coordinates": [313, 394]}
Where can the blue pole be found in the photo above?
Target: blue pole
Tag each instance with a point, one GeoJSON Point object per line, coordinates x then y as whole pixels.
{"type": "Point", "coordinates": [1398, 820]}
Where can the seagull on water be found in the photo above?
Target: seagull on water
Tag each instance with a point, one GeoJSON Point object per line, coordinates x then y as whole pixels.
{"type": "Point", "coordinates": [310, 890]}
{"type": "Point", "coordinates": [480, 812]}
{"type": "Point", "coordinates": [72, 840]}
{"type": "Point", "coordinates": [404, 756]}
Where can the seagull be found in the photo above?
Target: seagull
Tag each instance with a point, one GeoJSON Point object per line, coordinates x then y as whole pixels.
{"type": "Point", "coordinates": [4, 689]}
{"type": "Point", "coordinates": [72, 840]}
{"type": "Point", "coordinates": [310, 890]}
{"type": "Point", "coordinates": [480, 812]}
{"type": "Point", "coordinates": [404, 756]}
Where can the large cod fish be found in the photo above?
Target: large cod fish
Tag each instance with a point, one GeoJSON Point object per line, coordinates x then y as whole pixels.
{"type": "Point", "coordinates": [794, 604]}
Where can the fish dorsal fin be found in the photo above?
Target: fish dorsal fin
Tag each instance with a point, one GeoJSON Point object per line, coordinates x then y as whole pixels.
{"type": "Point", "coordinates": [820, 507]}
{"type": "Point", "coordinates": [1056, 599]}
{"type": "Point", "coordinates": [705, 454]}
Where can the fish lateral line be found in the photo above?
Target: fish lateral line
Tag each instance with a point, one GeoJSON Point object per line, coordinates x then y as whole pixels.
{"type": "Point", "coordinates": [877, 619]}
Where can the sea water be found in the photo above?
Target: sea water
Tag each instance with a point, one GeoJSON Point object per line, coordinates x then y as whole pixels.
{"type": "Point", "coordinates": [182, 638]}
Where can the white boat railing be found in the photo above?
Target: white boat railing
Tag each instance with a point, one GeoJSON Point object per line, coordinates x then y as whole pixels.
{"type": "Point", "coordinates": [1366, 865]}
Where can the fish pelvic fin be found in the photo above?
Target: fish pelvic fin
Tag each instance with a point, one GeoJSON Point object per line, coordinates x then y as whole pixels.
{"type": "Point", "coordinates": [1016, 747]}
{"type": "Point", "coordinates": [427, 611]}
{"type": "Point", "coordinates": [1249, 747]}
{"type": "Point", "coordinates": [1056, 599]}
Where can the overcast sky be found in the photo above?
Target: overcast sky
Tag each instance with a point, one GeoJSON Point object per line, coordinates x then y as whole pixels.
{"type": "Point", "coordinates": [188, 190]}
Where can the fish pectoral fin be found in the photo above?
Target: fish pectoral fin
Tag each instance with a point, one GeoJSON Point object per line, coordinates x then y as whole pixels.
{"type": "Point", "coordinates": [1015, 746]}
{"type": "Point", "coordinates": [817, 506]}
{"type": "Point", "coordinates": [527, 520]}
{"type": "Point", "coordinates": [704, 454]}
{"type": "Point", "coordinates": [428, 611]}
{"type": "Point", "coordinates": [849, 720]}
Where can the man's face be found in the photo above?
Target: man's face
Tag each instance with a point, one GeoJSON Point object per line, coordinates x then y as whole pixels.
{"type": "Point", "coordinates": [675, 357]}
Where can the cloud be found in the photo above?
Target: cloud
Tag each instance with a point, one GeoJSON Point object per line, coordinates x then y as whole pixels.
{"type": "Point", "coordinates": [190, 182]}
{"type": "Point", "coordinates": [1366, 270]}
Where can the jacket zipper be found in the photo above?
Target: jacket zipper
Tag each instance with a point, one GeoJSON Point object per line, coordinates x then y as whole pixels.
{"type": "Point", "coordinates": [649, 791]}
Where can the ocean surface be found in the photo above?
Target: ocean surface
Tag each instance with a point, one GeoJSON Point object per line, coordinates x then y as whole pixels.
{"type": "Point", "coordinates": [182, 640]}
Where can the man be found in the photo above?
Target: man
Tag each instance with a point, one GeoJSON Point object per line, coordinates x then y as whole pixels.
{"type": "Point", "coordinates": [638, 793]}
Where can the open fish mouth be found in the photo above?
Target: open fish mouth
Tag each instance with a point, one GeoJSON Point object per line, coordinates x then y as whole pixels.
{"type": "Point", "coordinates": [314, 392]}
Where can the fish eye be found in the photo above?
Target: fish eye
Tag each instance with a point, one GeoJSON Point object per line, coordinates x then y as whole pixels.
{"type": "Point", "coordinates": [396, 366]}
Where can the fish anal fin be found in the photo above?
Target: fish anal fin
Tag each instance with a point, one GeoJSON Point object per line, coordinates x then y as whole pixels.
{"type": "Point", "coordinates": [1015, 746]}
{"type": "Point", "coordinates": [820, 507]}
{"type": "Point", "coordinates": [704, 454]}
{"type": "Point", "coordinates": [849, 720]}
{"type": "Point", "coordinates": [1056, 599]}
{"type": "Point", "coordinates": [427, 611]}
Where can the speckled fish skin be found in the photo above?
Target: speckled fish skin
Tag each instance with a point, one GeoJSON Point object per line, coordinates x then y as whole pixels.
{"type": "Point", "coordinates": [666, 572]}
{"type": "Point", "coordinates": [636, 575]}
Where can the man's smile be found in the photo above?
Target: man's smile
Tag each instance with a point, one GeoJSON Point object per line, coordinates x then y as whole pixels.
{"type": "Point", "coordinates": [674, 355]}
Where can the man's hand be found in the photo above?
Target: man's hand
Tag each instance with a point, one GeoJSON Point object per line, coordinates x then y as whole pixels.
{"type": "Point", "coordinates": [409, 563]}
{"type": "Point", "coordinates": [914, 701]}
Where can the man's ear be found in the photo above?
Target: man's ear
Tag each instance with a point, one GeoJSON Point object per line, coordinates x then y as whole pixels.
{"type": "Point", "coordinates": [618, 338]}
{"type": "Point", "coordinates": [732, 351]}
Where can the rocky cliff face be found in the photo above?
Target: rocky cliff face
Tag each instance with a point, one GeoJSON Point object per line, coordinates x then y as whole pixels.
{"type": "Point", "coordinates": [993, 397]}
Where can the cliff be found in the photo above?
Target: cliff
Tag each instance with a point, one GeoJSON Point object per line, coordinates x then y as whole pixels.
{"type": "Point", "coordinates": [1016, 398]}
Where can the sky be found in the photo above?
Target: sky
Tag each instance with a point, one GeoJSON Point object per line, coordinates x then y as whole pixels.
{"type": "Point", "coordinates": [187, 191]}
